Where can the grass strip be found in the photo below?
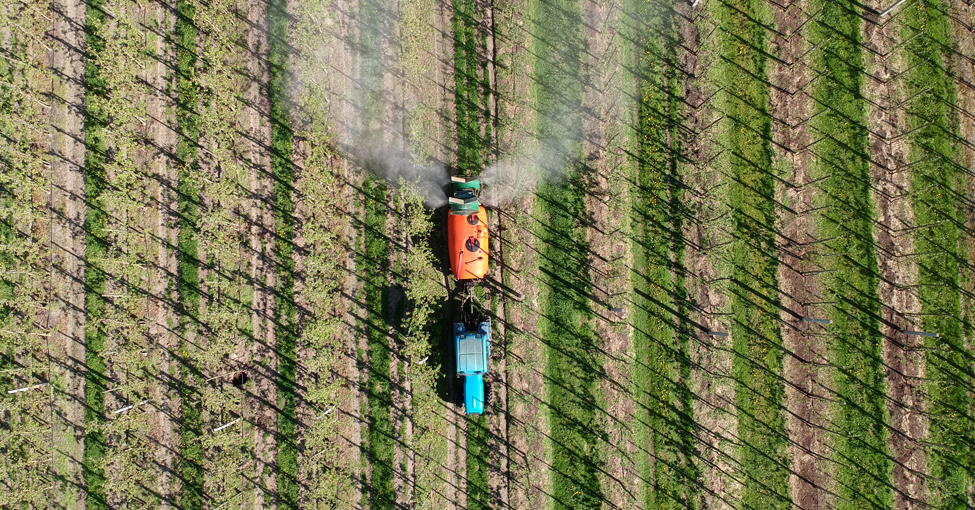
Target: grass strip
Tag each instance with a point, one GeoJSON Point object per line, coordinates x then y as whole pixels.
{"type": "Point", "coordinates": [478, 492]}
{"type": "Point", "coordinates": [192, 456]}
{"type": "Point", "coordinates": [573, 364]}
{"type": "Point", "coordinates": [373, 265]}
{"type": "Point", "coordinates": [470, 141]}
{"type": "Point", "coordinates": [664, 424]}
{"type": "Point", "coordinates": [756, 336]}
{"type": "Point", "coordinates": [96, 251]}
{"type": "Point", "coordinates": [937, 190]}
{"type": "Point", "coordinates": [863, 464]}
{"type": "Point", "coordinates": [286, 328]}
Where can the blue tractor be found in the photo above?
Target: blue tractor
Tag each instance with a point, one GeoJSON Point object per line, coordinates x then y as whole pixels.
{"type": "Point", "coordinates": [472, 341]}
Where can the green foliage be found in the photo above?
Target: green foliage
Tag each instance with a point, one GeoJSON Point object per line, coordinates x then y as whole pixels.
{"type": "Point", "coordinates": [373, 267]}
{"type": "Point", "coordinates": [757, 339]}
{"type": "Point", "coordinates": [664, 425]}
{"type": "Point", "coordinates": [425, 323]}
{"type": "Point", "coordinates": [471, 143]}
{"type": "Point", "coordinates": [188, 198]}
{"type": "Point", "coordinates": [96, 250]}
{"type": "Point", "coordinates": [863, 466]}
{"type": "Point", "coordinates": [283, 171]}
{"type": "Point", "coordinates": [573, 363]}
{"type": "Point", "coordinates": [25, 256]}
{"type": "Point", "coordinates": [937, 195]}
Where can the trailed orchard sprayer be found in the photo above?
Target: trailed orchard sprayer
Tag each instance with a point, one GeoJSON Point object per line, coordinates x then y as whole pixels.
{"type": "Point", "coordinates": [467, 240]}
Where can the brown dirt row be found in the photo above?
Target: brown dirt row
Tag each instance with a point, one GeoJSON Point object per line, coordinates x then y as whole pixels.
{"type": "Point", "coordinates": [528, 476]}
{"type": "Point", "coordinates": [891, 187]}
{"type": "Point", "coordinates": [527, 421]}
{"type": "Point", "coordinates": [161, 110]}
{"type": "Point", "coordinates": [713, 408]}
{"type": "Point", "coordinates": [260, 397]}
{"type": "Point", "coordinates": [607, 133]}
{"type": "Point", "coordinates": [497, 384]}
{"type": "Point", "coordinates": [66, 60]}
{"type": "Point", "coordinates": [791, 105]}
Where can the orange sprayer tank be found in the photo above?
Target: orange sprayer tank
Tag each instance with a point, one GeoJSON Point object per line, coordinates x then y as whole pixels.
{"type": "Point", "coordinates": [467, 240]}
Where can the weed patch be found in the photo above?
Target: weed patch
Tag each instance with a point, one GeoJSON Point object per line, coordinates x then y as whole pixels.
{"type": "Point", "coordinates": [573, 366]}
{"type": "Point", "coordinates": [373, 265]}
{"type": "Point", "coordinates": [478, 494]}
{"type": "Point", "coordinates": [284, 312]}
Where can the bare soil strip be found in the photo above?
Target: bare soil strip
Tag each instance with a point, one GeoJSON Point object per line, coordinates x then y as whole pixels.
{"type": "Point", "coordinates": [791, 107]}
{"type": "Point", "coordinates": [259, 408]}
{"type": "Point", "coordinates": [608, 134]}
{"type": "Point", "coordinates": [898, 280]}
{"type": "Point", "coordinates": [67, 348]}
{"type": "Point", "coordinates": [161, 110]}
{"type": "Point", "coordinates": [707, 239]}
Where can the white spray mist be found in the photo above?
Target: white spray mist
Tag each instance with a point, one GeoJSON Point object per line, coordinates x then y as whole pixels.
{"type": "Point", "coordinates": [429, 179]}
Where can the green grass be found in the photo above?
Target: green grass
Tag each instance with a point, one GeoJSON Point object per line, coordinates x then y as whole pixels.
{"type": "Point", "coordinates": [188, 198]}
{"type": "Point", "coordinates": [373, 266]}
{"type": "Point", "coordinates": [572, 360]}
{"type": "Point", "coordinates": [664, 425]}
{"type": "Point", "coordinates": [756, 337]}
{"type": "Point", "coordinates": [863, 465]}
{"type": "Point", "coordinates": [478, 493]}
{"type": "Point", "coordinates": [936, 193]}
{"type": "Point", "coordinates": [286, 329]}
{"type": "Point", "coordinates": [96, 251]}
{"type": "Point", "coordinates": [471, 141]}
